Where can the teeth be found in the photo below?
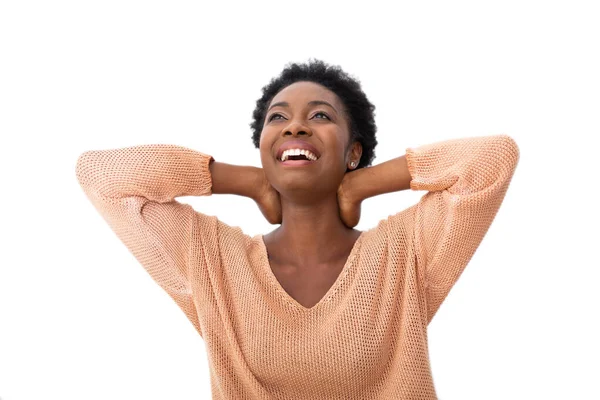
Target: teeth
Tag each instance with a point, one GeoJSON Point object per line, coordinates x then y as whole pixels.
{"type": "Point", "coordinates": [296, 152]}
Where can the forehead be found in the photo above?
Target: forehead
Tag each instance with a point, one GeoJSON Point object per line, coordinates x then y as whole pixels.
{"type": "Point", "coordinates": [303, 92]}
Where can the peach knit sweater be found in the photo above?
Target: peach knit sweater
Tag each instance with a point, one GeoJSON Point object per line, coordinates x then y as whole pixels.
{"type": "Point", "coordinates": [367, 337]}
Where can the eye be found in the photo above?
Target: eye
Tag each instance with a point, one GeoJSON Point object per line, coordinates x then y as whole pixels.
{"type": "Point", "coordinates": [322, 113]}
{"type": "Point", "coordinates": [273, 116]}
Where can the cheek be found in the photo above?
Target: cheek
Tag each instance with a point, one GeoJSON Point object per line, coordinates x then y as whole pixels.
{"type": "Point", "coordinates": [267, 140]}
{"type": "Point", "coordinates": [338, 152]}
{"type": "Point", "coordinates": [266, 156]}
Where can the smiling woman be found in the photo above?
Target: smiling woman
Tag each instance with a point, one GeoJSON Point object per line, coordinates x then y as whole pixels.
{"type": "Point", "coordinates": [352, 103]}
{"type": "Point", "coordinates": [314, 309]}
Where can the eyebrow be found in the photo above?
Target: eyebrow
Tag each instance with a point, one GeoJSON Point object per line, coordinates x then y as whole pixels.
{"type": "Point", "coordinates": [312, 102]}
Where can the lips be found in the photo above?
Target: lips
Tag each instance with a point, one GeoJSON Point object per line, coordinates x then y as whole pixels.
{"type": "Point", "coordinates": [297, 144]}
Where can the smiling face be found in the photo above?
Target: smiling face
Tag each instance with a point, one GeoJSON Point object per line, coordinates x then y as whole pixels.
{"type": "Point", "coordinates": [310, 113]}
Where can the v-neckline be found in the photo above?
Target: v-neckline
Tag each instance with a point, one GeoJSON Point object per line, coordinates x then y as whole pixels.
{"type": "Point", "coordinates": [287, 297]}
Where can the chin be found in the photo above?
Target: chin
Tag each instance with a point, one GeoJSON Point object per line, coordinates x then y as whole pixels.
{"type": "Point", "coordinates": [291, 185]}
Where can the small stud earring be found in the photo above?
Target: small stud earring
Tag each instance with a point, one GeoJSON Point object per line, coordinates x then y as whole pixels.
{"type": "Point", "coordinates": [352, 164]}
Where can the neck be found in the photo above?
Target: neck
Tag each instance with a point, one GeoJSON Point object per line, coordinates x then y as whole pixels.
{"type": "Point", "coordinates": [312, 231]}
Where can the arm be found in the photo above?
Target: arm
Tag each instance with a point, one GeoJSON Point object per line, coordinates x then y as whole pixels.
{"type": "Point", "coordinates": [234, 179]}
{"type": "Point", "coordinates": [250, 182]}
{"type": "Point", "coordinates": [359, 185]}
{"type": "Point", "coordinates": [466, 180]}
{"type": "Point", "coordinates": [387, 177]}
{"type": "Point", "coordinates": [134, 189]}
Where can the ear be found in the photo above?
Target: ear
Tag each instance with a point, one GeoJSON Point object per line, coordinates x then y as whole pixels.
{"type": "Point", "coordinates": [354, 154]}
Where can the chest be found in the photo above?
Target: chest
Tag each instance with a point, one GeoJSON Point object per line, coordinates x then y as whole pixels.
{"type": "Point", "coordinates": [309, 285]}
{"type": "Point", "coordinates": [322, 349]}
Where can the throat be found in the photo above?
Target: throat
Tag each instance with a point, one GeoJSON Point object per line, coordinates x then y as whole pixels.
{"type": "Point", "coordinates": [283, 253]}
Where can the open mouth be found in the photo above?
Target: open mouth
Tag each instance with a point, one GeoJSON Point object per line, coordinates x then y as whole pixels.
{"type": "Point", "coordinates": [298, 161]}
{"type": "Point", "coordinates": [298, 157]}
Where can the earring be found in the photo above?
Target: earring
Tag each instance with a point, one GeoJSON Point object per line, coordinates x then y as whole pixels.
{"type": "Point", "coordinates": [352, 164]}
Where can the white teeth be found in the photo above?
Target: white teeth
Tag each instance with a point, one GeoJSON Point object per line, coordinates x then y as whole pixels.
{"type": "Point", "coordinates": [296, 152]}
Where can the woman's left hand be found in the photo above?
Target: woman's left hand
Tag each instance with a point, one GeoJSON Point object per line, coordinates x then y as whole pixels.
{"type": "Point", "coordinates": [349, 205]}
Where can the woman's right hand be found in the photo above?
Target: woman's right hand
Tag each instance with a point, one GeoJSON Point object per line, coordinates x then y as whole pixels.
{"type": "Point", "coordinates": [268, 200]}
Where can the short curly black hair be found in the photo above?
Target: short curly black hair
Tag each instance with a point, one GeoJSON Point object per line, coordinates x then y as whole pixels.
{"type": "Point", "coordinates": [359, 109]}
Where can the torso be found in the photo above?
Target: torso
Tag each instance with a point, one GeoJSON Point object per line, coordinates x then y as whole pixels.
{"type": "Point", "coordinates": [308, 284]}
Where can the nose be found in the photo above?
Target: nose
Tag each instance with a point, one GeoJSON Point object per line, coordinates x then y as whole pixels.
{"type": "Point", "coordinates": [296, 129]}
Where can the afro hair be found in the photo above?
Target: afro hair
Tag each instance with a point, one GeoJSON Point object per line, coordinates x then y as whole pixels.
{"type": "Point", "coordinates": [358, 108]}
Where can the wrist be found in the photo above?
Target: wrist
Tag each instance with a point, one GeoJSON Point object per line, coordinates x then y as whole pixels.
{"type": "Point", "coordinates": [352, 187]}
{"type": "Point", "coordinates": [233, 179]}
{"type": "Point", "coordinates": [259, 183]}
{"type": "Point", "coordinates": [387, 177]}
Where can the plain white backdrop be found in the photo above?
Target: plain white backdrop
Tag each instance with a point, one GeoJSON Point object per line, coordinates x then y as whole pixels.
{"type": "Point", "coordinates": [81, 319]}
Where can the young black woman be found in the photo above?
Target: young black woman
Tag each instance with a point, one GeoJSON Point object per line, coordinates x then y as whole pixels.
{"type": "Point", "coordinates": [314, 309]}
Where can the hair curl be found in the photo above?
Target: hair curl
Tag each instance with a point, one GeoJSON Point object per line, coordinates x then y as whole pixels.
{"type": "Point", "coordinates": [358, 108]}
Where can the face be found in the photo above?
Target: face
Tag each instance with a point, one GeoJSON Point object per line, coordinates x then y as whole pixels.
{"type": "Point", "coordinates": [311, 113]}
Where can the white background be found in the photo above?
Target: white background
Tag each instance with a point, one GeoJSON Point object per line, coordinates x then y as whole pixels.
{"type": "Point", "coordinates": [81, 319]}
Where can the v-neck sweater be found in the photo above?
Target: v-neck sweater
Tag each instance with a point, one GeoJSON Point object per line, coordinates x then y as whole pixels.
{"type": "Point", "coordinates": [367, 337]}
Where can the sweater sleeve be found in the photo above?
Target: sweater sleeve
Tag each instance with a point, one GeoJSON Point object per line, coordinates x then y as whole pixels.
{"type": "Point", "coordinates": [466, 180]}
{"type": "Point", "coordinates": [133, 188]}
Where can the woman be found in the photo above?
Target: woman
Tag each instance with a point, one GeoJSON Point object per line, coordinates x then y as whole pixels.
{"type": "Point", "coordinates": [314, 309]}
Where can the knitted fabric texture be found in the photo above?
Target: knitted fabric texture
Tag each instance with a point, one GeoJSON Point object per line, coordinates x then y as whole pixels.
{"type": "Point", "coordinates": [367, 337]}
